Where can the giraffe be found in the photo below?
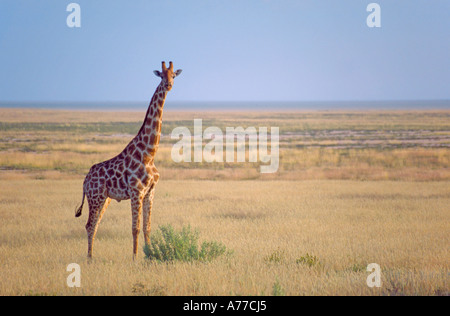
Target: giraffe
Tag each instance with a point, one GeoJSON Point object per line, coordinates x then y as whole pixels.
{"type": "Point", "coordinates": [131, 174]}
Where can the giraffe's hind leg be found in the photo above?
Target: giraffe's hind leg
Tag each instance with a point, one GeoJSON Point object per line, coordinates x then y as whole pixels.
{"type": "Point", "coordinates": [96, 211]}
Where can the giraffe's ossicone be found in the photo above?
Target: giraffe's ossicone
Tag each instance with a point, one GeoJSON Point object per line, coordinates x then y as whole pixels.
{"type": "Point", "coordinates": [131, 174]}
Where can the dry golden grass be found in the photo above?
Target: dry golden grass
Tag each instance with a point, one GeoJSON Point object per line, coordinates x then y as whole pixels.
{"type": "Point", "coordinates": [395, 214]}
{"type": "Point", "coordinates": [370, 145]}
{"type": "Point", "coordinates": [402, 226]}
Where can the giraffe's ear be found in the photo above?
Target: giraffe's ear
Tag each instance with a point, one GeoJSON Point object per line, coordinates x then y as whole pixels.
{"type": "Point", "coordinates": [178, 72]}
{"type": "Point", "coordinates": [157, 73]}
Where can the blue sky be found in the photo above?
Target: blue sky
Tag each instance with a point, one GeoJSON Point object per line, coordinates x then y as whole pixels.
{"type": "Point", "coordinates": [234, 50]}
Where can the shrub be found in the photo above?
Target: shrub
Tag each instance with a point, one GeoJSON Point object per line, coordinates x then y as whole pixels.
{"type": "Point", "coordinates": [308, 260]}
{"type": "Point", "coordinates": [171, 245]}
{"type": "Point", "coordinates": [277, 289]}
{"type": "Point", "coordinates": [357, 267]}
{"type": "Point", "coordinates": [275, 257]}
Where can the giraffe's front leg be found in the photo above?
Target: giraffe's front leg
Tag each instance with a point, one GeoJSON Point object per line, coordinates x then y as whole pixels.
{"type": "Point", "coordinates": [148, 204]}
{"type": "Point", "coordinates": [136, 210]}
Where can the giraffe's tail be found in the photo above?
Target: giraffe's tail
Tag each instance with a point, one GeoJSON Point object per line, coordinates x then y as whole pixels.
{"type": "Point", "coordinates": [80, 209]}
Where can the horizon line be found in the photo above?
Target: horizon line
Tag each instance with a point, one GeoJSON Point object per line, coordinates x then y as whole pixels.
{"type": "Point", "coordinates": [2, 102]}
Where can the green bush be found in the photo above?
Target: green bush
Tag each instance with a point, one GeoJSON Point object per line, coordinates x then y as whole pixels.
{"type": "Point", "coordinates": [277, 256]}
{"type": "Point", "coordinates": [171, 245]}
{"type": "Point", "coordinates": [309, 260]}
{"type": "Point", "coordinates": [277, 289]}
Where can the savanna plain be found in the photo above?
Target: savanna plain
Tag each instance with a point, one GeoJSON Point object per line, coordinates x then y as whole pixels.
{"type": "Point", "coordinates": [352, 188]}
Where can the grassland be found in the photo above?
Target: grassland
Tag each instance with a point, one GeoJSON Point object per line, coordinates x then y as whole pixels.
{"type": "Point", "coordinates": [353, 188]}
{"type": "Point", "coordinates": [370, 145]}
{"type": "Point", "coordinates": [269, 225]}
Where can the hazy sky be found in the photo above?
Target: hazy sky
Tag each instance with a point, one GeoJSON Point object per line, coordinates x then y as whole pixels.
{"type": "Point", "coordinates": [229, 50]}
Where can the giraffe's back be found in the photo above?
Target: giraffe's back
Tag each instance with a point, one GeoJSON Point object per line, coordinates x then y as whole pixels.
{"type": "Point", "coordinates": [120, 177]}
{"type": "Point", "coordinates": [108, 179]}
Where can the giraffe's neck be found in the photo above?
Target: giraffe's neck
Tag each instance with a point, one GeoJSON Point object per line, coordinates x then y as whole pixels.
{"type": "Point", "coordinates": [150, 132]}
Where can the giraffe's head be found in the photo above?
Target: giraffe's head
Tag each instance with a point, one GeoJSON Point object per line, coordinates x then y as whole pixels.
{"type": "Point", "coordinates": [167, 75]}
